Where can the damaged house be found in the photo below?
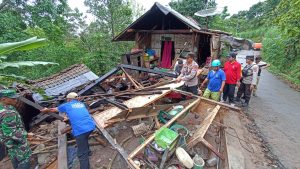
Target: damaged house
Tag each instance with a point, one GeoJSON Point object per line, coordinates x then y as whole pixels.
{"type": "Point", "coordinates": [166, 34]}
{"type": "Point", "coordinates": [145, 123]}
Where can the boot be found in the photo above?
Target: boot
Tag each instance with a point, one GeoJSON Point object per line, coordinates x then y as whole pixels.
{"type": "Point", "coordinates": [245, 104]}
{"type": "Point", "coordinates": [237, 99]}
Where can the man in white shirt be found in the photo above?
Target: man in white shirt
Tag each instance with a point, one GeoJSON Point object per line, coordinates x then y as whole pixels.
{"type": "Point", "coordinates": [261, 65]}
{"type": "Point", "coordinates": [189, 75]}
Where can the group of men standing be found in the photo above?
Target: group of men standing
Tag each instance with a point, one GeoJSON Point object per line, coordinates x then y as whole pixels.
{"type": "Point", "coordinates": [224, 81]}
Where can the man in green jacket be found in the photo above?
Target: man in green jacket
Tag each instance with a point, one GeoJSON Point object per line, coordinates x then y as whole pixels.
{"type": "Point", "coordinates": [12, 132]}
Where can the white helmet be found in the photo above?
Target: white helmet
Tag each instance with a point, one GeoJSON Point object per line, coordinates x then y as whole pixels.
{"type": "Point", "coordinates": [72, 95]}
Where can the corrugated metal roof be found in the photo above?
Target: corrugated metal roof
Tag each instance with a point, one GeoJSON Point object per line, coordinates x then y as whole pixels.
{"type": "Point", "coordinates": [167, 9]}
{"type": "Point", "coordinates": [66, 80]}
{"type": "Point", "coordinates": [155, 17]}
{"type": "Point", "coordinates": [152, 13]}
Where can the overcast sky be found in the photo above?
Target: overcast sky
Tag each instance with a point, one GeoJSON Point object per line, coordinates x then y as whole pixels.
{"type": "Point", "coordinates": [234, 6]}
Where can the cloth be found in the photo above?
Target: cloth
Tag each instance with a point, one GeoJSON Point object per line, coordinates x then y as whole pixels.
{"type": "Point", "coordinates": [211, 95]}
{"type": "Point", "coordinates": [13, 135]}
{"type": "Point", "coordinates": [83, 150]}
{"type": "Point", "coordinates": [232, 71]}
{"type": "Point", "coordinates": [189, 74]}
{"type": "Point", "coordinates": [244, 89]}
{"type": "Point", "coordinates": [191, 89]}
{"type": "Point", "coordinates": [252, 73]}
{"type": "Point", "coordinates": [255, 87]}
{"type": "Point", "coordinates": [20, 165]}
{"type": "Point", "coordinates": [215, 80]}
{"type": "Point", "coordinates": [167, 55]}
{"type": "Point", "coordinates": [228, 92]}
{"type": "Point", "coordinates": [80, 118]}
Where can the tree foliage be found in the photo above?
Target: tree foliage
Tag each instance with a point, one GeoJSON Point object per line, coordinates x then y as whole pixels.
{"type": "Point", "coordinates": [112, 16]}
{"type": "Point", "coordinates": [190, 7]}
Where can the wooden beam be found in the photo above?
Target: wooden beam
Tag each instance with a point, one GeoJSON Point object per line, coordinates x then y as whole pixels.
{"type": "Point", "coordinates": [151, 138]}
{"type": "Point", "coordinates": [200, 132]}
{"type": "Point", "coordinates": [142, 112]}
{"type": "Point", "coordinates": [184, 31]}
{"type": "Point", "coordinates": [139, 101]}
{"type": "Point", "coordinates": [112, 141]}
{"type": "Point", "coordinates": [62, 159]}
{"type": "Point", "coordinates": [227, 106]}
{"type": "Point", "coordinates": [157, 122]}
{"type": "Point", "coordinates": [209, 146]}
{"type": "Point", "coordinates": [99, 80]}
{"type": "Point", "coordinates": [130, 79]}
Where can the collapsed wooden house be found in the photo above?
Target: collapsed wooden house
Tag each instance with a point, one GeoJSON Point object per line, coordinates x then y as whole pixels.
{"type": "Point", "coordinates": [169, 34]}
{"type": "Point", "coordinates": [182, 35]}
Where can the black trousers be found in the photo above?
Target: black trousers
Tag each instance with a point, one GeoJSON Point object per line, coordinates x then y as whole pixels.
{"type": "Point", "coordinates": [245, 90]}
{"type": "Point", "coordinates": [228, 92]}
{"type": "Point", "coordinates": [191, 89]}
{"type": "Point", "coordinates": [20, 165]}
{"type": "Point", "coordinates": [83, 150]}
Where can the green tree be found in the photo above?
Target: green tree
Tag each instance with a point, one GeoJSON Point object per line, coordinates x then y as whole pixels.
{"type": "Point", "coordinates": [51, 16]}
{"type": "Point", "coordinates": [112, 16]}
{"type": "Point", "coordinates": [190, 7]}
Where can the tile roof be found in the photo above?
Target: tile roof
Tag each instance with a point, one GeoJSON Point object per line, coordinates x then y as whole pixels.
{"type": "Point", "coordinates": [66, 80]}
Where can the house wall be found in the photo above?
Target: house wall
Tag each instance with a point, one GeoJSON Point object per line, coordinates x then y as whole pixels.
{"type": "Point", "coordinates": [153, 41]}
{"type": "Point", "coordinates": [179, 41]}
{"type": "Point", "coordinates": [215, 46]}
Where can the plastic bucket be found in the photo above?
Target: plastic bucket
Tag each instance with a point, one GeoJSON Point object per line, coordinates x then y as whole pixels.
{"type": "Point", "coordinates": [198, 162]}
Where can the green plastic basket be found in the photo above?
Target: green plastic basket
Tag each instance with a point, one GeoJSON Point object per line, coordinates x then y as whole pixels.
{"type": "Point", "coordinates": [164, 137]}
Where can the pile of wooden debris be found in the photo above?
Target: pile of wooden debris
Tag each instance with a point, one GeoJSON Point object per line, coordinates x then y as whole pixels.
{"type": "Point", "coordinates": [143, 117]}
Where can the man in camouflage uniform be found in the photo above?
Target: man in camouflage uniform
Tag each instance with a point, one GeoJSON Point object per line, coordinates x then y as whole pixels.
{"type": "Point", "coordinates": [12, 132]}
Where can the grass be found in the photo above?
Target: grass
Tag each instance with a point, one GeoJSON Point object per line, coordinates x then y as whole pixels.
{"type": "Point", "coordinates": [288, 78]}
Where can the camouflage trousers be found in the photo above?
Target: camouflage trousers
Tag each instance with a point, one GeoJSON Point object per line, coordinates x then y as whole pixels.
{"type": "Point", "coordinates": [19, 154]}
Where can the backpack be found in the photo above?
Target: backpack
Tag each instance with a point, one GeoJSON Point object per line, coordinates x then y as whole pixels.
{"type": "Point", "coordinates": [245, 71]}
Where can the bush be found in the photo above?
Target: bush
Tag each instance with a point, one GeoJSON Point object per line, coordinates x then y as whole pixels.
{"type": "Point", "coordinates": [282, 53]}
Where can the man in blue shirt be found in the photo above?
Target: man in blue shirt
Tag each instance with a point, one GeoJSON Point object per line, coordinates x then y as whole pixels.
{"type": "Point", "coordinates": [216, 78]}
{"type": "Point", "coordinates": [82, 125]}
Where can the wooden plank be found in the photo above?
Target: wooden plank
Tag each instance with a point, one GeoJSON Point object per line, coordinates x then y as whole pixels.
{"type": "Point", "coordinates": [62, 159]}
{"type": "Point", "coordinates": [235, 156]}
{"type": "Point", "coordinates": [131, 118]}
{"type": "Point", "coordinates": [130, 79]}
{"type": "Point", "coordinates": [151, 138]}
{"type": "Point", "coordinates": [146, 111]}
{"type": "Point", "coordinates": [227, 106]}
{"type": "Point", "coordinates": [183, 31]}
{"type": "Point", "coordinates": [138, 101]}
{"type": "Point", "coordinates": [53, 165]}
{"type": "Point", "coordinates": [157, 122]}
{"type": "Point", "coordinates": [112, 141]}
{"type": "Point", "coordinates": [200, 132]}
{"type": "Point", "coordinates": [208, 145]}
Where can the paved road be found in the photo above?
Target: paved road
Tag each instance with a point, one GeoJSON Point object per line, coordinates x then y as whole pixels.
{"type": "Point", "coordinates": [276, 111]}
